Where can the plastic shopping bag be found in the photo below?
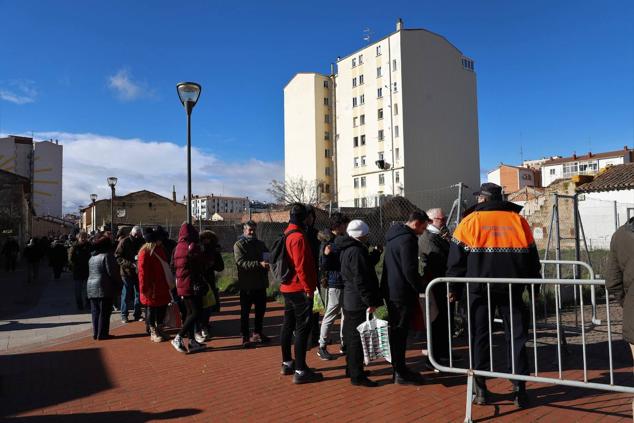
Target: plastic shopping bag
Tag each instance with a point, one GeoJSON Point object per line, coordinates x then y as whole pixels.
{"type": "Point", "coordinates": [209, 299]}
{"type": "Point", "coordinates": [173, 316]}
{"type": "Point", "coordinates": [374, 339]}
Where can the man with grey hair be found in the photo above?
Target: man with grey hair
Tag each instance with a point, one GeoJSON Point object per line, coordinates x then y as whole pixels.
{"type": "Point", "coordinates": [126, 254]}
{"type": "Point", "coordinates": [433, 251]}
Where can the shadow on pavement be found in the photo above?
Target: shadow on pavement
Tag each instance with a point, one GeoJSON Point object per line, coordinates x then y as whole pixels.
{"type": "Point", "coordinates": [16, 325]}
{"type": "Point", "coordinates": [131, 416]}
{"type": "Point", "coordinates": [35, 380]}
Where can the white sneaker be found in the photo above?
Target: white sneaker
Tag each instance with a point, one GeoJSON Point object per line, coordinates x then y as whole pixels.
{"type": "Point", "coordinates": [199, 337]}
{"type": "Point", "coordinates": [178, 344]}
{"type": "Point", "coordinates": [195, 346]}
{"type": "Point", "coordinates": [205, 334]}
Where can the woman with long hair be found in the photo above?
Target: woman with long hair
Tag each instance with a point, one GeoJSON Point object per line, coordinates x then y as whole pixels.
{"type": "Point", "coordinates": [153, 286]}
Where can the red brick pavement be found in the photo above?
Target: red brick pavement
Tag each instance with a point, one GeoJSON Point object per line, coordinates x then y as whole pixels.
{"type": "Point", "coordinates": [129, 379]}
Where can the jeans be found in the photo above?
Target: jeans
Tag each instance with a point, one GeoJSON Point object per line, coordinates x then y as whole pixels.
{"type": "Point", "coordinates": [399, 316]}
{"type": "Point", "coordinates": [248, 298]}
{"type": "Point", "coordinates": [354, 352]}
{"type": "Point", "coordinates": [101, 309]}
{"type": "Point", "coordinates": [80, 292]}
{"type": "Point", "coordinates": [194, 306]}
{"type": "Point", "coordinates": [130, 288]}
{"type": "Point", "coordinates": [480, 331]}
{"type": "Point", "coordinates": [298, 308]}
{"type": "Point", "coordinates": [333, 308]}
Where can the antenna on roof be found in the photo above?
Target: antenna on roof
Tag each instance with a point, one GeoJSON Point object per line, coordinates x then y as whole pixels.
{"type": "Point", "coordinates": [367, 34]}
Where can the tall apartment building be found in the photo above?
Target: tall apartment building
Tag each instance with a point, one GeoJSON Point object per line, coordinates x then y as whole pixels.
{"type": "Point", "coordinates": [40, 162]}
{"type": "Point", "coordinates": [204, 206]}
{"type": "Point", "coordinates": [405, 122]}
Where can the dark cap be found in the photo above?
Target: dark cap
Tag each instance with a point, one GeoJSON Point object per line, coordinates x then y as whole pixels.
{"type": "Point", "coordinates": [490, 190]}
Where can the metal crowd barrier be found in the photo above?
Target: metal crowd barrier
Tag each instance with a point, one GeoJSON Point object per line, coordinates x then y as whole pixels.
{"type": "Point", "coordinates": [471, 372]}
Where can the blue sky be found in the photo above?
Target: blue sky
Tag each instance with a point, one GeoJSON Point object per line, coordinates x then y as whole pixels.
{"type": "Point", "coordinates": [553, 76]}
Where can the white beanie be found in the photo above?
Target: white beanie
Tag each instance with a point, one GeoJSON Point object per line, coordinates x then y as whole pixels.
{"type": "Point", "coordinates": [357, 228]}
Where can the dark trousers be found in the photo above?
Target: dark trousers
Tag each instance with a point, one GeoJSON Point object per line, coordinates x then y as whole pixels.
{"type": "Point", "coordinates": [298, 308]}
{"type": "Point", "coordinates": [101, 309]}
{"type": "Point", "coordinates": [193, 306]}
{"type": "Point", "coordinates": [33, 272]}
{"type": "Point", "coordinates": [156, 315]}
{"type": "Point", "coordinates": [440, 329]}
{"type": "Point", "coordinates": [400, 315]}
{"type": "Point", "coordinates": [352, 341]}
{"type": "Point", "coordinates": [480, 331]}
{"type": "Point", "coordinates": [248, 298]}
{"type": "Point", "coordinates": [10, 263]}
{"type": "Point", "coordinates": [80, 292]}
{"type": "Point", "coordinates": [57, 270]}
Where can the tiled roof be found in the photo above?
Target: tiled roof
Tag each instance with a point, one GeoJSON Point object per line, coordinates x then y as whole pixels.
{"type": "Point", "coordinates": [608, 154]}
{"type": "Point", "coordinates": [613, 178]}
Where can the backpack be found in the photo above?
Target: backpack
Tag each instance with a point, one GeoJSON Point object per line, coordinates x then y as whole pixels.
{"type": "Point", "coordinates": [280, 267]}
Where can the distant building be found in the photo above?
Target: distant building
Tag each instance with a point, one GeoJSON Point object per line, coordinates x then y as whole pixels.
{"type": "Point", "coordinates": [15, 212]}
{"type": "Point", "coordinates": [514, 178]}
{"type": "Point", "coordinates": [398, 117]}
{"type": "Point", "coordinates": [40, 162]}
{"type": "Point", "coordinates": [205, 206]}
{"type": "Point", "coordinates": [588, 164]}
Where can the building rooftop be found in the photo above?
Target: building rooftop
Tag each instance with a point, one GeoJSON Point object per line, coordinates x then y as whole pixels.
{"type": "Point", "coordinates": [612, 178]}
{"type": "Point", "coordinates": [590, 155]}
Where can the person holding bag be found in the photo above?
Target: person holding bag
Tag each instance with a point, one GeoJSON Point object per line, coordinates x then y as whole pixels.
{"type": "Point", "coordinates": [361, 294]}
{"type": "Point", "coordinates": [154, 274]}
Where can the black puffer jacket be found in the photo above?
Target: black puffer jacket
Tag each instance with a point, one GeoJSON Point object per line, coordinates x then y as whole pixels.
{"type": "Point", "coordinates": [104, 280]}
{"type": "Point", "coordinates": [361, 285]}
{"type": "Point", "coordinates": [401, 282]}
{"type": "Point", "coordinates": [620, 275]}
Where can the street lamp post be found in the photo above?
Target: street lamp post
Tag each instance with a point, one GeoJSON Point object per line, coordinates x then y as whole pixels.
{"type": "Point", "coordinates": [188, 93]}
{"type": "Point", "coordinates": [112, 181]}
{"type": "Point", "coordinates": [93, 211]}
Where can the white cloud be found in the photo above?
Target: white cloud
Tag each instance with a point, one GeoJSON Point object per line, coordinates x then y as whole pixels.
{"type": "Point", "coordinates": [18, 91]}
{"type": "Point", "coordinates": [125, 88]}
{"type": "Point", "coordinates": [154, 166]}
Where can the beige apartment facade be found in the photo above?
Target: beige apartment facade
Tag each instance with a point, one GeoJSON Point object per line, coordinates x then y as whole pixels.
{"type": "Point", "coordinates": [405, 122]}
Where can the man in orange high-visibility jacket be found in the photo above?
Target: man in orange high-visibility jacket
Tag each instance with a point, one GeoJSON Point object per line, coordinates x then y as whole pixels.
{"type": "Point", "coordinates": [494, 241]}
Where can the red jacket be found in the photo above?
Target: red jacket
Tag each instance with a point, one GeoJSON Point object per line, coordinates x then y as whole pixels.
{"type": "Point", "coordinates": [152, 281]}
{"type": "Point", "coordinates": [301, 259]}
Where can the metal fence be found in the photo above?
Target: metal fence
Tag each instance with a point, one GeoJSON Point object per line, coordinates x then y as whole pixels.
{"type": "Point", "coordinates": [560, 380]}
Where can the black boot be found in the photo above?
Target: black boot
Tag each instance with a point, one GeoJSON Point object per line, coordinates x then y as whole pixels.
{"type": "Point", "coordinates": [481, 392]}
{"type": "Point", "coordinates": [520, 398]}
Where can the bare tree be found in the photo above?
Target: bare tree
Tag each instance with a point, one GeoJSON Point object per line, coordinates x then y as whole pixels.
{"type": "Point", "coordinates": [296, 190]}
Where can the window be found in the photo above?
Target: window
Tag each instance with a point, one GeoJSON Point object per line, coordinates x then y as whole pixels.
{"type": "Point", "coordinates": [355, 141]}
{"type": "Point", "coordinates": [356, 182]}
{"type": "Point", "coordinates": [362, 120]}
{"type": "Point", "coordinates": [395, 87]}
{"type": "Point", "coordinates": [363, 182]}
{"type": "Point", "coordinates": [327, 188]}
{"type": "Point", "coordinates": [380, 134]}
{"type": "Point", "coordinates": [395, 109]}
{"type": "Point", "coordinates": [325, 84]}
{"type": "Point", "coordinates": [354, 62]}
{"type": "Point", "coordinates": [393, 65]}
{"type": "Point", "coordinates": [362, 160]}
{"type": "Point", "coordinates": [380, 113]}
{"type": "Point", "coordinates": [327, 136]}
{"type": "Point", "coordinates": [354, 82]}
{"type": "Point", "coordinates": [527, 177]}
{"type": "Point", "coordinates": [396, 131]}
{"type": "Point", "coordinates": [397, 154]}
{"type": "Point", "coordinates": [381, 155]}
{"type": "Point", "coordinates": [328, 171]}
{"type": "Point", "coordinates": [360, 79]}
{"type": "Point", "coordinates": [378, 50]}
{"type": "Point", "coordinates": [327, 119]}
{"type": "Point", "coordinates": [356, 202]}
{"type": "Point", "coordinates": [378, 72]}
{"type": "Point", "coordinates": [379, 93]}
{"type": "Point", "coordinates": [354, 102]}
{"type": "Point", "coordinates": [381, 179]}
{"type": "Point", "coordinates": [361, 59]}
{"type": "Point", "coordinates": [364, 202]}
{"type": "Point", "coordinates": [362, 139]}
{"type": "Point", "coordinates": [356, 162]}
{"type": "Point", "coordinates": [552, 172]}
{"type": "Point", "coordinates": [326, 102]}
{"type": "Point", "coordinates": [355, 121]}
{"type": "Point", "coordinates": [327, 153]}
{"type": "Point", "coordinates": [397, 177]}
{"type": "Point", "coordinates": [467, 64]}
{"type": "Point", "coordinates": [362, 99]}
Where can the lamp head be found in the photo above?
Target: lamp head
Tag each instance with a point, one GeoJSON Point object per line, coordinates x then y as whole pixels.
{"type": "Point", "coordinates": [112, 181]}
{"type": "Point", "coordinates": [93, 197]}
{"type": "Point", "coordinates": [188, 93]}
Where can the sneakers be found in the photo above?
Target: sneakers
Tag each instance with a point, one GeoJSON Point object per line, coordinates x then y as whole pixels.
{"type": "Point", "coordinates": [124, 319]}
{"type": "Point", "coordinates": [154, 336]}
{"type": "Point", "coordinates": [323, 353]}
{"type": "Point", "coordinates": [205, 334]}
{"type": "Point", "coordinates": [248, 343]}
{"type": "Point", "coordinates": [288, 369]}
{"type": "Point", "coordinates": [258, 338]}
{"type": "Point", "coordinates": [195, 346]}
{"type": "Point", "coordinates": [199, 337]}
{"type": "Point", "coordinates": [307, 376]}
{"type": "Point", "coordinates": [343, 349]}
{"type": "Point", "coordinates": [161, 334]}
{"type": "Point", "coordinates": [481, 396]}
{"type": "Point", "coordinates": [178, 344]}
{"type": "Point", "coordinates": [364, 381]}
